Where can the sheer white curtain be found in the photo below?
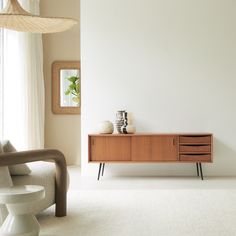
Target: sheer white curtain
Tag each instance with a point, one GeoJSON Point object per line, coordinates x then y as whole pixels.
{"type": "Point", "coordinates": [23, 113]}
{"type": "Point", "coordinates": [1, 79]}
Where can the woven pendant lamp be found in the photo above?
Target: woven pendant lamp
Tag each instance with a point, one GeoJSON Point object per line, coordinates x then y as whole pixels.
{"type": "Point", "coordinates": [14, 17]}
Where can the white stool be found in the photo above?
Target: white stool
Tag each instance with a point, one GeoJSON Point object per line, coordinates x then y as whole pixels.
{"type": "Point", "coordinates": [19, 201]}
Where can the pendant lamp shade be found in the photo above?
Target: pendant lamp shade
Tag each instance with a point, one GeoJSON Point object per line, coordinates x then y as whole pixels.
{"type": "Point", "coordinates": [14, 17]}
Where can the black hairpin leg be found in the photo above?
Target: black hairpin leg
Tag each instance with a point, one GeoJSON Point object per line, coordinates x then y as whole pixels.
{"type": "Point", "coordinates": [197, 169]}
{"type": "Point", "coordinates": [99, 170]}
{"type": "Point", "coordinates": [200, 164]}
{"type": "Point", "coordinates": [103, 167]}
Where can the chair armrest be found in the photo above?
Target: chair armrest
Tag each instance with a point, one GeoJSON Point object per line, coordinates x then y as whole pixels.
{"type": "Point", "coordinates": [14, 158]}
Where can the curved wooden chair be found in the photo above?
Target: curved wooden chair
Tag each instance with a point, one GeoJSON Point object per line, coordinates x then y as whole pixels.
{"type": "Point", "coordinates": [45, 155]}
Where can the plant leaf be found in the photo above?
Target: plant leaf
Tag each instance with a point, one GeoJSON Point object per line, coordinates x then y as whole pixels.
{"type": "Point", "coordinates": [67, 92]}
{"type": "Point", "coordinates": [72, 86]}
{"type": "Point", "coordinates": [72, 79]}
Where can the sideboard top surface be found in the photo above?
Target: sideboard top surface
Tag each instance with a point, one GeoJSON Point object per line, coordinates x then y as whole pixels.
{"type": "Point", "coordinates": [151, 134]}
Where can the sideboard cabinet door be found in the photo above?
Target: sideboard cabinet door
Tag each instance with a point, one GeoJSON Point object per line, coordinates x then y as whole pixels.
{"type": "Point", "coordinates": [141, 148]}
{"type": "Point", "coordinates": [155, 148]}
{"type": "Point", "coordinates": [164, 148]}
{"type": "Point", "coordinates": [110, 149]}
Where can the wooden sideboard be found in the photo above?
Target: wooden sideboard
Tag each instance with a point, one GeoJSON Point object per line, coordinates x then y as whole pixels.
{"type": "Point", "coordinates": [176, 148]}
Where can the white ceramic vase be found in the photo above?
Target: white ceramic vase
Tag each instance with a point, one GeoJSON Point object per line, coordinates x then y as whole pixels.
{"type": "Point", "coordinates": [106, 127]}
{"type": "Point", "coordinates": [130, 129]}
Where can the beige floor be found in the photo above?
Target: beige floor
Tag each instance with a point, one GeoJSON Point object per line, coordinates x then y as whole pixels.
{"type": "Point", "coordinates": [126, 182]}
{"type": "Point", "coordinates": [145, 206]}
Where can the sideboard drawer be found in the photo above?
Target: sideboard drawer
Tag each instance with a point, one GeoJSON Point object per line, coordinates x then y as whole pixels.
{"type": "Point", "coordinates": [195, 139]}
{"type": "Point", "coordinates": [195, 157]}
{"type": "Point", "coordinates": [195, 148]}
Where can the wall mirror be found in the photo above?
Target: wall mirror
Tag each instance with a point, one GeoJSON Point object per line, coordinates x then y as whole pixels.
{"type": "Point", "coordinates": [66, 87]}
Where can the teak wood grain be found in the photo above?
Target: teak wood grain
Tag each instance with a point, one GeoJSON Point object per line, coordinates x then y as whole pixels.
{"type": "Point", "coordinates": [141, 148]}
{"type": "Point", "coordinates": [195, 158]}
{"type": "Point", "coordinates": [195, 139]}
{"type": "Point", "coordinates": [151, 148]}
{"type": "Point", "coordinates": [195, 148]}
{"type": "Point", "coordinates": [110, 149]}
{"type": "Point", "coordinates": [164, 148]}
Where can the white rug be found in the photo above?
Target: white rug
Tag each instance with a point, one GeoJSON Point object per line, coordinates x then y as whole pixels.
{"type": "Point", "coordinates": [145, 213]}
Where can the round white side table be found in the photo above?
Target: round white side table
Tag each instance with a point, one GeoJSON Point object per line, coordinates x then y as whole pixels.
{"type": "Point", "coordinates": [19, 201]}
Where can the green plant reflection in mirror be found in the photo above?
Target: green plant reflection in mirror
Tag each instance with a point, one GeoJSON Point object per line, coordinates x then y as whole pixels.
{"type": "Point", "coordinates": [70, 88]}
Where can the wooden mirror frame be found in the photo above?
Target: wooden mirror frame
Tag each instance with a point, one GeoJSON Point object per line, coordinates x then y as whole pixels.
{"type": "Point", "coordinates": [56, 67]}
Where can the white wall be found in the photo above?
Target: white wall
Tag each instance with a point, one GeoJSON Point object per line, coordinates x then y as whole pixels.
{"type": "Point", "coordinates": [61, 131]}
{"type": "Point", "coordinates": [171, 63]}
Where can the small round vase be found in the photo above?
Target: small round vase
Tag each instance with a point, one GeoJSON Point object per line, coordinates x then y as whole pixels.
{"type": "Point", "coordinates": [128, 129]}
{"type": "Point", "coordinates": [106, 127]}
